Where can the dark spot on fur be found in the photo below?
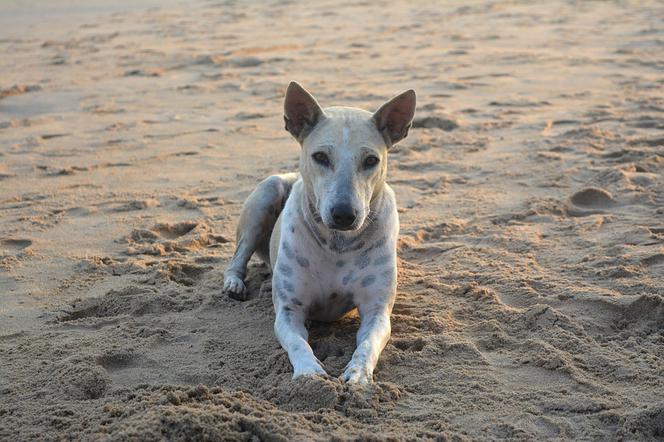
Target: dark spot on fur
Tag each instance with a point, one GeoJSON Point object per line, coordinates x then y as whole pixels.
{"type": "Point", "coordinates": [358, 246]}
{"type": "Point", "coordinates": [291, 228]}
{"type": "Point", "coordinates": [372, 321]}
{"type": "Point", "coordinates": [288, 309]}
{"type": "Point", "coordinates": [341, 263]}
{"type": "Point", "coordinates": [288, 286]}
{"type": "Point", "coordinates": [388, 275]}
{"type": "Point", "coordinates": [278, 289]}
{"type": "Point", "coordinates": [368, 280]}
{"type": "Point", "coordinates": [378, 244]}
{"type": "Point", "coordinates": [285, 269]}
{"type": "Point", "coordinates": [287, 250]}
{"type": "Point", "coordinates": [381, 260]}
{"type": "Point", "coordinates": [363, 260]}
{"type": "Point", "coordinates": [339, 244]}
{"type": "Point", "coordinates": [302, 261]}
{"type": "Point", "coordinates": [296, 301]}
{"type": "Point", "coordinates": [348, 277]}
{"type": "Point", "coordinates": [280, 294]}
{"type": "Point", "coordinates": [334, 295]}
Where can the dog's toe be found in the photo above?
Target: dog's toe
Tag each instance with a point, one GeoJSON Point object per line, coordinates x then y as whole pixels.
{"type": "Point", "coordinates": [235, 287]}
{"type": "Point", "coordinates": [357, 375]}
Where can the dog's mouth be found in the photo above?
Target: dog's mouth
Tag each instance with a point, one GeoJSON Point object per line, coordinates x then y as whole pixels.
{"type": "Point", "coordinates": [354, 226]}
{"type": "Point", "coordinates": [339, 228]}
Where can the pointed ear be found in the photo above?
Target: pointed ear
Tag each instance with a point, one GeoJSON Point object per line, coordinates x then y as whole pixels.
{"type": "Point", "coordinates": [394, 118]}
{"type": "Point", "coordinates": [301, 111]}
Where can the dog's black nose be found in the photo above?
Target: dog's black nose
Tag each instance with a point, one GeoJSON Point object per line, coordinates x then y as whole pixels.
{"type": "Point", "coordinates": [343, 215]}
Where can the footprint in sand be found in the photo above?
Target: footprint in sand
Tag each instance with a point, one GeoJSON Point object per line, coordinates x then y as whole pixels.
{"type": "Point", "coordinates": [166, 238]}
{"type": "Point", "coordinates": [118, 358]}
{"type": "Point", "coordinates": [185, 274]}
{"type": "Point", "coordinates": [645, 313]}
{"type": "Point", "coordinates": [593, 197]}
{"type": "Point", "coordinates": [653, 260]}
{"type": "Point", "coordinates": [147, 203]}
{"type": "Point", "coordinates": [172, 231]}
{"type": "Point", "coordinates": [133, 301]}
{"type": "Point", "coordinates": [659, 230]}
{"type": "Point", "coordinates": [410, 344]}
{"type": "Point", "coordinates": [436, 122]}
{"type": "Point", "coordinates": [14, 246]}
{"type": "Point", "coordinates": [647, 423]}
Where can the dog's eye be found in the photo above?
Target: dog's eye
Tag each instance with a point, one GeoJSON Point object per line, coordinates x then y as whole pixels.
{"type": "Point", "coordinates": [321, 158]}
{"type": "Point", "coordinates": [370, 161]}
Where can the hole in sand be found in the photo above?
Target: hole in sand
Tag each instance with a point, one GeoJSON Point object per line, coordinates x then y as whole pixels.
{"type": "Point", "coordinates": [593, 197]}
{"type": "Point", "coordinates": [16, 244]}
{"type": "Point", "coordinates": [172, 231]}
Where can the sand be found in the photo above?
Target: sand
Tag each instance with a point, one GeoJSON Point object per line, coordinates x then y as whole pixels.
{"type": "Point", "coordinates": [531, 198]}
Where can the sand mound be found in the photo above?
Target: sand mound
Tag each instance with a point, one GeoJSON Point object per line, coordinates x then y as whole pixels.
{"type": "Point", "coordinates": [176, 413]}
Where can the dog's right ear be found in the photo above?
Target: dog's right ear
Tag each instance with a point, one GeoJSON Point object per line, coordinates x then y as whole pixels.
{"type": "Point", "coordinates": [301, 111]}
{"type": "Point", "coordinates": [395, 117]}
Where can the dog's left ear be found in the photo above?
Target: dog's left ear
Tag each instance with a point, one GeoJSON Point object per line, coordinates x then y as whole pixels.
{"type": "Point", "coordinates": [395, 117]}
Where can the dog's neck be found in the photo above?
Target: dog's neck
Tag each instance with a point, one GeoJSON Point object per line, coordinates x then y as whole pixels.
{"type": "Point", "coordinates": [336, 240]}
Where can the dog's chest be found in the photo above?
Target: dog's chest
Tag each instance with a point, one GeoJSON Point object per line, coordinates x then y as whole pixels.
{"type": "Point", "coordinates": [329, 279]}
{"type": "Point", "coordinates": [328, 288]}
{"type": "Point", "coordinates": [315, 267]}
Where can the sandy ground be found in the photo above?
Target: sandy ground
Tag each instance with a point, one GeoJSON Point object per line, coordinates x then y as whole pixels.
{"type": "Point", "coordinates": [531, 195]}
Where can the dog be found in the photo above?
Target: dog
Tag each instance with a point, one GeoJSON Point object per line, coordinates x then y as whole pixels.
{"type": "Point", "coordinates": [330, 231]}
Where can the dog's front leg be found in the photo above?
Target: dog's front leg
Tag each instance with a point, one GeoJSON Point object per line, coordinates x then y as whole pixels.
{"type": "Point", "coordinates": [371, 339]}
{"type": "Point", "coordinates": [292, 334]}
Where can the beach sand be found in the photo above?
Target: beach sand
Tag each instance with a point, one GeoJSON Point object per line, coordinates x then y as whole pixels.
{"type": "Point", "coordinates": [531, 197]}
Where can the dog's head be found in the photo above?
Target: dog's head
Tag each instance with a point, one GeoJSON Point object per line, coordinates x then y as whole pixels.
{"type": "Point", "coordinates": [344, 152]}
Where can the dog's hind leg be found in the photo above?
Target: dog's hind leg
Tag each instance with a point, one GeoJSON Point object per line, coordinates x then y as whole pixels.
{"type": "Point", "coordinates": [259, 215]}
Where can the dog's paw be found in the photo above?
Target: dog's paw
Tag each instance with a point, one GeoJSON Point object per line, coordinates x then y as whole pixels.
{"type": "Point", "coordinates": [355, 374]}
{"type": "Point", "coordinates": [309, 369]}
{"type": "Point", "coordinates": [234, 287]}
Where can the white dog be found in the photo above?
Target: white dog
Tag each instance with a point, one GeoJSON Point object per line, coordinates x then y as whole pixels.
{"type": "Point", "coordinates": [329, 232]}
